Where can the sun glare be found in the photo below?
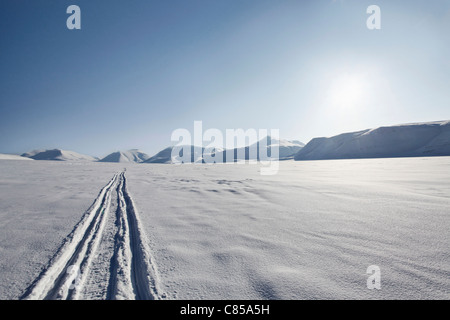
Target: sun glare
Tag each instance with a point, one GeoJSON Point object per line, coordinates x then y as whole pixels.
{"type": "Point", "coordinates": [347, 91]}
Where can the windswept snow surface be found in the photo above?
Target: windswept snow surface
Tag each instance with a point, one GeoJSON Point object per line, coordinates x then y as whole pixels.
{"type": "Point", "coordinates": [408, 140]}
{"type": "Point", "coordinates": [309, 232]}
{"type": "Point", "coordinates": [227, 232]}
{"type": "Point", "coordinates": [40, 203]}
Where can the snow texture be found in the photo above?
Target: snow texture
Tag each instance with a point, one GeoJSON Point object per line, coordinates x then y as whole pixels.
{"type": "Point", "coordinates": [226, 232]}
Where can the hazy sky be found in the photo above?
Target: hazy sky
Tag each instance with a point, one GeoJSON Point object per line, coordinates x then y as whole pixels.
{"type": "Point", "coordinates": [137, 70]}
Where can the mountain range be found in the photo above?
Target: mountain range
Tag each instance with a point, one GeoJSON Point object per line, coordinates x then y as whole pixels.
{"type": "Point", "coordinates": [405, 140]}
{"type": "Point", "coordinates": [57, 155]}
{"type": "Point", "coordinates": [287, 150]}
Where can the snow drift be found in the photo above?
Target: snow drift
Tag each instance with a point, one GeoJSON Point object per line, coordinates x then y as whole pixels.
{"type": "Point", "coordinates": [57, 155]}
{"type": "Point", "coordinates": [407, 140]}
{"type": "Point", "coordinates": [133, 155]}
{"type": "Point", "coordinates": [226, 232]}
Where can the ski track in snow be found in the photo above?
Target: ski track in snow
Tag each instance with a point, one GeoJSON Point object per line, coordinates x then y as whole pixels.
{"type": "Point", "coordinates": [108, 248]}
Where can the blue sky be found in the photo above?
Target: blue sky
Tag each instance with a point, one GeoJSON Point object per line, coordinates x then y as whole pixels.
{"type": "Point", "coordinates": [137, 70]}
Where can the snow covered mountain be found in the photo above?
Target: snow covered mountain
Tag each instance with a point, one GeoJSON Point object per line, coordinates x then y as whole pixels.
{"type": "Point", "coordinates": [165, 156]}
{"type": "Point", "coordinates": [4, 156]}
{"type": "Point", "coordinates": [133, 155]}
{"type": "Point", "coordinates": [57, 155]}
{"type": "Point", "coordinates": [406, 140]}
{"type": "Point", "coordinates": [287, 149]}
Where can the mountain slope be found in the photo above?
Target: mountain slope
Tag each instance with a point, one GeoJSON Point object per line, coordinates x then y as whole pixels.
{"type": "Point", "coordinates": [133, 155]}
{"type": "Point", "coordinates": [57, 155]}
{"type": "Point", "coordinates": [4, 156]}
{"type": "Point", "coordinates": [165, 156]}
{"type": "Point", "coordinates": [287, 150]}
{"type": "Point", "coordinates": [407, 140]}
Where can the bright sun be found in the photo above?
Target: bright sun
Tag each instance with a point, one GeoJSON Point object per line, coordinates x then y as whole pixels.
{"type": "Point", "coordinates": [347, 91]}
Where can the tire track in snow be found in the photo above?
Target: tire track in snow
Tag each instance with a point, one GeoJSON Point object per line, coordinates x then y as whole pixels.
{"type": "Point", "coordinates": [144, 275]}
{"type": "Point", "coordinates": [131, 273]}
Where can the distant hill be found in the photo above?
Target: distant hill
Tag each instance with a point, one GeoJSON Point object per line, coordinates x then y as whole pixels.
{"type": "Point", "coordinates": [287, 150]}
{"type": "Point", "coordinates": [406, 140]}
{"type": "Point", "coordinates": [133, 155]}
{"type": "Point", "coordinates": [4, 156]}
{"type": "Point", "coordinates": [57, 155]}
{"type": "Point", "coordinates": [165, 156]}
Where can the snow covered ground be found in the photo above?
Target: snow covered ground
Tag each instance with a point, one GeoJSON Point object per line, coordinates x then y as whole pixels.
{"type": "Point", "coordinates": [227, 232]}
